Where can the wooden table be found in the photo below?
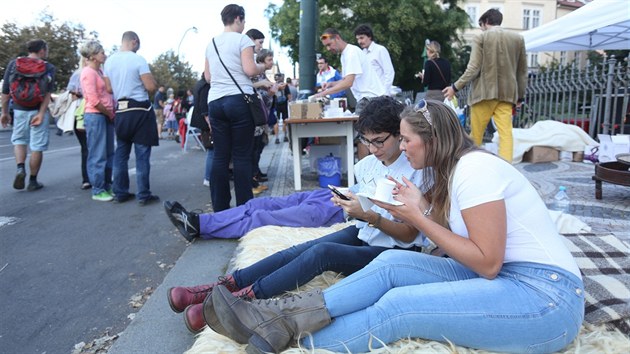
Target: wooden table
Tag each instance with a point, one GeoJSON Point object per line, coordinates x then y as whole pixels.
{"type": "Point", "coordinates": [308, 128]}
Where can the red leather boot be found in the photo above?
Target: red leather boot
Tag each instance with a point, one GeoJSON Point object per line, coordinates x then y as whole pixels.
{"type": "Point", "coordinates": [181, 297]}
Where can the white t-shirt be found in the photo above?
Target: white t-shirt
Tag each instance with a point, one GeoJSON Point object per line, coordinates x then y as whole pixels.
{"type": "Point", "coordinates": [382, 64]}
{"type": "Point", "coordinates": [366, 83]}
{"type": "Point", "coordinates": [368, 171]}
{"type": "Point", "coordinates": [124, 69]}
{"type": "Point", "coordinates": [532, 236]}
{"type": "Point", "coordinates": [230, 45]}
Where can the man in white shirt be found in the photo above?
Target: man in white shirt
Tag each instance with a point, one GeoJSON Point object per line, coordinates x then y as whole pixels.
{"type": "Point", "coordinates": [358, 74]}
{"type": "Point", "coordinates": [377, 55]}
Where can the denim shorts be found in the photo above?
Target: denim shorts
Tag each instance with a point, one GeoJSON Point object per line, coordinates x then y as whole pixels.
{"type": "Point", "coordinates": [36, 137]}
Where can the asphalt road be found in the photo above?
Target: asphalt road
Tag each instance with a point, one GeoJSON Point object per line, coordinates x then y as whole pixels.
{"type": "Point", "coordinates": [69, 266]}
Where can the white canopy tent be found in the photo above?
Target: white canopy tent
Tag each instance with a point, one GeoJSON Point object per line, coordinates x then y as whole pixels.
{"type": "Point", "coordinates": [601, 24]}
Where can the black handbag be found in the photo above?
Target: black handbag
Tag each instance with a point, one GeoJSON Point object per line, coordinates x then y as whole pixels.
{"type": "Point", "coordinates": [253, 101]}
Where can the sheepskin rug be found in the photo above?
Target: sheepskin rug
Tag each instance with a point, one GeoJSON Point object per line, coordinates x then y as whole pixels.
{"type": "Point", "coordinates": [264, 241]}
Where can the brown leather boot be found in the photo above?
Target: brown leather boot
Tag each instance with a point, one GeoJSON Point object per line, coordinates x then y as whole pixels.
{"type": "Point", "coordinates": [181, 297]}
{"type": "Point", "coordinates": [269, 325]}
{"type": "Point", "coordinates": [193, 317]}
{"type": "Point", "coordinates": [210, 317]}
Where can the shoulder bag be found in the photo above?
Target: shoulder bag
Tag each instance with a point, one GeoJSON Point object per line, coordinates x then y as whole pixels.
{"type": "Point", "coordinates": [440, 71]}
{"type": "Point", "coordinates": [252, 100]}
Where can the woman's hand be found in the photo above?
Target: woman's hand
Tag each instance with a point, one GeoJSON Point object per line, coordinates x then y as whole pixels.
{"type": "Point", "coordinates": [351, 207]}
{"type": "Point", "coordinates": [408, 194]}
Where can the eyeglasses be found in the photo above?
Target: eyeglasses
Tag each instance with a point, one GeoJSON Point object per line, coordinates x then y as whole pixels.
{"type": "Point", "coordinates": [325, 36]}
{"type": "Point", "coordinates": [376, 143]}
{"type": "Point", "coordinates": [421, 107]}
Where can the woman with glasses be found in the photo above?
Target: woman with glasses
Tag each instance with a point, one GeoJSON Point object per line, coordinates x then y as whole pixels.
{"type": "Point", "coordinates": [344, 251]}
{"type": "Point", "coordinates": [509, 284]}
{"type": "Point", "coordinates": [436, 74]}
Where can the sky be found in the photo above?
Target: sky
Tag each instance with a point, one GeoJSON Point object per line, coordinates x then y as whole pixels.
{"type": "Point", "coordinates": [160, 24]}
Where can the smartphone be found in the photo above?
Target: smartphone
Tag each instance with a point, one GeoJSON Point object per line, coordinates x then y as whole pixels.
{"type": "Point", "coordinates": [337, 192]}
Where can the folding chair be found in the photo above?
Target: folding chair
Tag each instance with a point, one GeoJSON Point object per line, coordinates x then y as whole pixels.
{"type": "Point", "coordinates": [192, 132]}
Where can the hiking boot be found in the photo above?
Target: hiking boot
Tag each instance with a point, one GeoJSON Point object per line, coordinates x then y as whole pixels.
{"type": "Point", "coordinates": [193, 318]}
{"type": "Point", "coordinates": [210, 317]}
{"type": "Point", "coordinates": [34, 185]}
{"type": "Point", "coordinates": [179, 298]}
{"type": "Point", "coordinates": [18, 182]}
{"type": "Point", "coordinates": [103, 196]}
{"type": "Point", "coordinates": [186, 222]}
{"type": "Point", "coordinates": [269, 325]}
{"type": "Point", "coordinates": [150, 199]}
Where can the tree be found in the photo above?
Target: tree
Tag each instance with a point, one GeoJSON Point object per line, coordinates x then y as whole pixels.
{"type": "Point", "coordinates": [169, 71]}
{"type": "Point", "coordinates": [400, 25]}
{"type": "Point", "coordinates": [63, 42]}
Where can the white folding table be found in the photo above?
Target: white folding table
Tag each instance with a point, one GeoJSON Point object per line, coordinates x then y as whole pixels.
{"type": "Point", "coordinates": [323, 127]}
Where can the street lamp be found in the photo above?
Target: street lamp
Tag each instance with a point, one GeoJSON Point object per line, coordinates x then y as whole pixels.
{"type": "Point", "coordinates": [194, 29]}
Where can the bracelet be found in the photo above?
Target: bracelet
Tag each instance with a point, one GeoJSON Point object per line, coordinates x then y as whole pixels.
{"type": "Point", "coordinates": [377, 223]}
{"type": "Point", "coordinates": [428, 211]}
{"type": "Point", "coordinates": [454, 88]}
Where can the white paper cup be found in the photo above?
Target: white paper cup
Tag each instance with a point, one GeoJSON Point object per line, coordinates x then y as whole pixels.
{"type": "Point", "coordinates": [384, 188]}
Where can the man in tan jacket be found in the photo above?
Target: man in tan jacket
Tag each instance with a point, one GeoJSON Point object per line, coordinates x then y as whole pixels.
{"type": "Point", "coordinates": [498, 71]}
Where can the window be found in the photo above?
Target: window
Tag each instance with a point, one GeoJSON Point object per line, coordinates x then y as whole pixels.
{"type": "Point", "coordinates": [473, 14]}
{"type": "Point", "coordinates": [563, 58]}
{"type": "Point", "coordinates": [532, 60]}
{"type": "Point", "coordinates": [531, 18]}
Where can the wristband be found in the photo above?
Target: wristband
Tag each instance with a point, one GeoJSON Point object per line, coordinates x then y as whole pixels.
{"type": "Point", "coordinates": [454, 88]}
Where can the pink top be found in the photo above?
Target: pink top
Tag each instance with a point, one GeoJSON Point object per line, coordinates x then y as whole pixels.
{"type": "Point", "coordinates": [94, 90]}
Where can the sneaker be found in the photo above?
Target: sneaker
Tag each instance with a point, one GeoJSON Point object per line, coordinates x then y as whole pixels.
{"type": "Point", "coordinates": [206, 183]}
{"type": "Point", "coordinates": [150, 199]}
{"type": "Point", "coordinates": [86, 185]}
{"type": "Point", "coordinates": [186, 222]}
{"type": "Point", "coordinates": [123, 197]}
{"type": "Point", "coordinates": [286, 140]}
{"type": "Point", "coordinates": [103, 197]}
{"type": "Point", "coordinates": [277, 141]}
{"type": "Point", "coordinates": [18, 182]}
{"type": "Point", "coordinates": [34, 185]}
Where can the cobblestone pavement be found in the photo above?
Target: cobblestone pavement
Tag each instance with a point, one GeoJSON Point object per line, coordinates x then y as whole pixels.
{"type": "Point", "coordinates": [609, 214]}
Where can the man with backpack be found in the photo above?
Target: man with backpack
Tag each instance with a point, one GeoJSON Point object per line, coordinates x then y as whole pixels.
{"type": "Point", "coordinates": [28, 82]}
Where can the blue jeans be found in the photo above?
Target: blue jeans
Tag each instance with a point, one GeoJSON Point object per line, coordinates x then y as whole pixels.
{"type": "Point", "coordinates": [233, 134]}
{"type": "Point", "coordinates": [121, 169]}
{"type": "Point", "coordinates": [100, 147]}
{"type": "Point", "coordinates": [209, 158]}
{"type": "Point", "coordinates": [340, 252]}
{"type": "Point", "coordinates": [528, 307]}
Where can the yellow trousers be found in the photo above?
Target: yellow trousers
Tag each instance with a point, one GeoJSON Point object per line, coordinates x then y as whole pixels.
{"type": "Point", "coordinates": [480, 115]}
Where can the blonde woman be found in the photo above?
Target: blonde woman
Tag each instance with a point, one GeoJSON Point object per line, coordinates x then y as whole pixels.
{"type": "Point", "coordinates": [436, 74]}
{"type": "Point", "coordinates": [509, 283]}
{"type": "Point", "coordinates": [99, 121]}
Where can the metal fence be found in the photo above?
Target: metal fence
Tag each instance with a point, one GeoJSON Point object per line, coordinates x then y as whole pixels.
{"type": "Point", "coordinates": [596, 98]}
